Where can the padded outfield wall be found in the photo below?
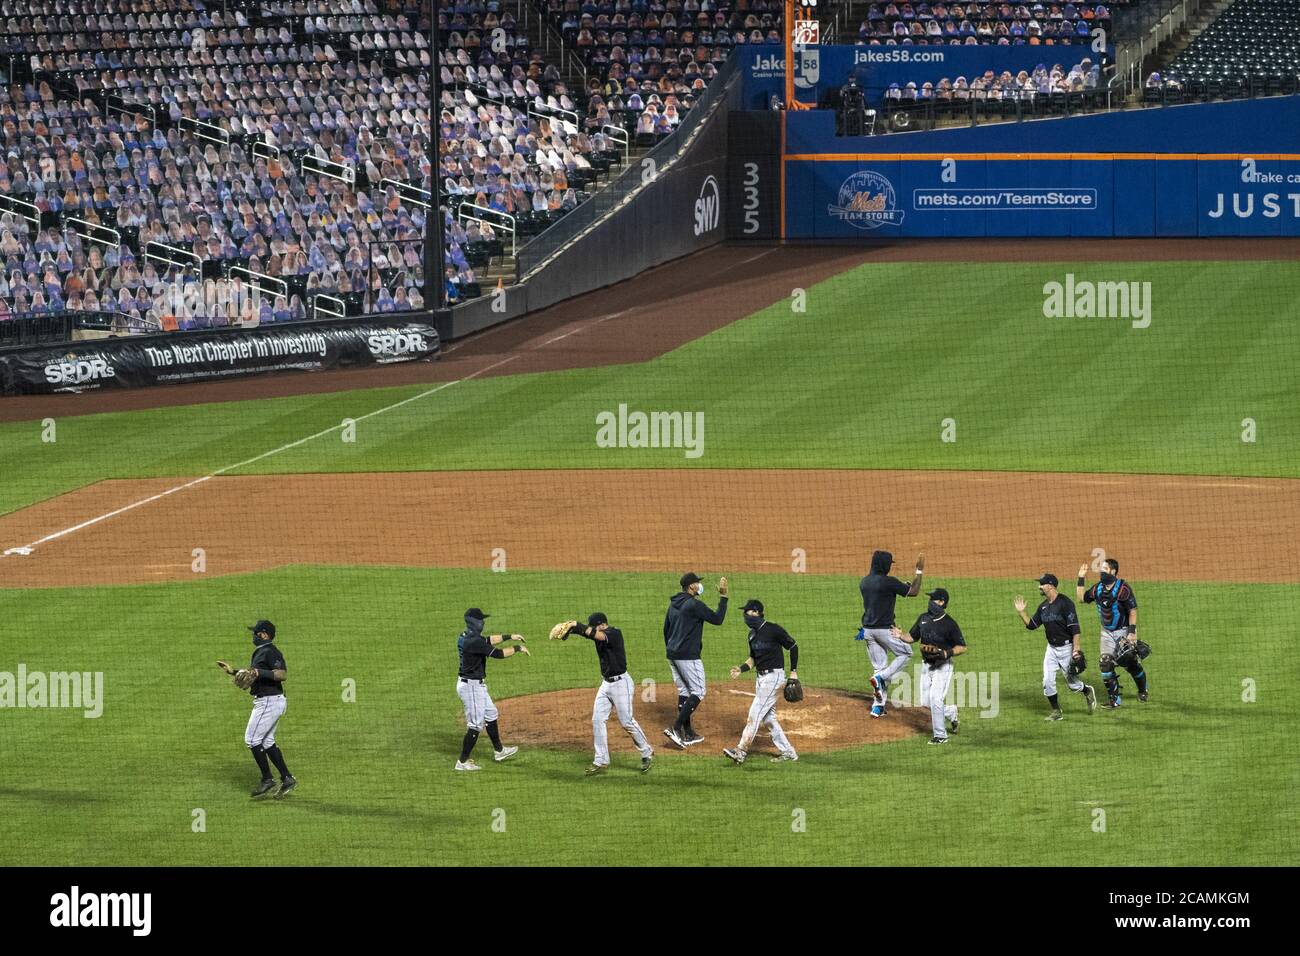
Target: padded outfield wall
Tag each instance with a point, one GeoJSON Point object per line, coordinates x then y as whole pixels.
{"type": "Point", "coordinates": [1213, 169]}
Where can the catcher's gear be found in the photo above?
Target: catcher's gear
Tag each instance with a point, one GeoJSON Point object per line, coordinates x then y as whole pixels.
{"type": "Point", "coordinates": [244, 678]}
{"type": "Point", "coordinates": [1078, 664]}
{"type": "Point", "coordinates": [934, 654]}
{"type": "Point", "coordinates": [793, 690]}
{"type": "Point", "coordinates": [561, 631]}
{"type": "Point", "coordinates": [1128, 653]}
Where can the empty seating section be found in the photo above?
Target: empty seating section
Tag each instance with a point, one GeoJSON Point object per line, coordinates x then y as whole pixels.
{"type": "Point", "coordinates": [1252, 47]}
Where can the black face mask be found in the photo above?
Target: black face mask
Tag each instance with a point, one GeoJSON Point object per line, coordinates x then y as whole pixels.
{"type": "Point", "coordinates": [754, 620]}
{"type": "Point", "coordinates": [1107, 578]}
{"type": "Point", "coordinates": [937, 609]}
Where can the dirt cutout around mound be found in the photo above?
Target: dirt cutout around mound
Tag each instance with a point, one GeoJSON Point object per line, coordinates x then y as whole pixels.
{"type": "Point", "coordinates": [1167, 528]}
{"type": "Point", "coordinates": [824, 720]}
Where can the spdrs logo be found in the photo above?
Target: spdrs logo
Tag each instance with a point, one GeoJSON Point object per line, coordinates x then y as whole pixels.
{"type": "Point", "coordinates": [707, 207]}
{"type": "Point", "coordinates": [394, 345]}
{"type": "Point", "coordinates": [867, 201]}
{"type": "Point", "coordinates": [74, 370]}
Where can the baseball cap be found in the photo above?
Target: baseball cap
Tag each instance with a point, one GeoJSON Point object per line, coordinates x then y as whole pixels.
{"type": "Point", "coordinates": [1049, 578]}
{"type": "Point", "coordinates": [596, 619]}
{"type": "Point", "coordinates": [264, 627]}
{"type": "Point", "coordinates": [938, 594]}
{"type": "Point", "coordinates": [753, 604]}
{"type": "Point", "coordinates": [689, 578]}
{"type": "Point", "coordinates": [477, 614]}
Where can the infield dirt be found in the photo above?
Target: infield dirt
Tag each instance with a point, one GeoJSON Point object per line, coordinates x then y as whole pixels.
{"type": "Point", "coordinates": [993, 524]}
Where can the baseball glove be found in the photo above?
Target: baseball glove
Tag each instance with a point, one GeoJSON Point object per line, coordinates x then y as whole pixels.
{"type": "Point", "coordinates": [1130, 651]}
{"type": "Point", "coordinates": [561, 631]}
{"type": "Point", "coordinates": [793, 690]}
{"type": "Point", "coordinates": [244, 678]}
{"type": "Point", "coordinates": [1078, 665]}
{"type": "Point", "coordinates": [933, 654]}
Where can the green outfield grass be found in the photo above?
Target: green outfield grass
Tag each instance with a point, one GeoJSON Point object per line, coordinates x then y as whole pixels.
{"type": "Point", "coordinates": [1197, 776]}
{"type": "Point", "coordinates": [863, 378]}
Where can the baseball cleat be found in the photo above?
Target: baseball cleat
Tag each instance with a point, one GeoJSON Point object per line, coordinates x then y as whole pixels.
{"type": "Point", "coordinates": [877, 711]}
{"type": "Point", "coordinates": [785, 758]}
{"type": "Point", "coordinates": [954, 725]}
{"type": "Point", "coordinates": [734, 755]}
{"type": "Point", "coordinates": [1143, 696]}
{"type": "Point", "coordinates": [467, 765]}
{"type": "Point", "coordinates": [505, 753]}
{"type": "Point", "coordinates": [938, 740]}
{"type": "Point", "coordinates": [1113, 703]}
{"type": "Point", "coordinates": [646, 763]}
{"type": "Point", "coordinates": [287, 784]}
{"type": "Point", "coordinates": [878, 688]}
{"type": "Point", "coordinates": [671, 734]}
{"type": "Point", "coordinates": [595, 769]}
{"type": "Point", "coordinates": [1055, 715]}
{"type": "Point", "coordinates": [263, 788]}
{"type": "Point", "coordinates": [1090, 696]}
{"type": "Point", "coordinates": [691, 737]}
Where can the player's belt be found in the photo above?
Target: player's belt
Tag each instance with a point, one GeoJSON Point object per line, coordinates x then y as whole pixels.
{"type": "Point", "coordinates": [471, 680]}
{"type": "Point", "coordinates": [764, 673]}
{"type": "Point", "coordinates": [616, 678]}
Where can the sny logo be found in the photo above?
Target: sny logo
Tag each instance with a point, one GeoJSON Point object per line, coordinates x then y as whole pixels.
{"type": "Point", "coordinates": [707, 207]}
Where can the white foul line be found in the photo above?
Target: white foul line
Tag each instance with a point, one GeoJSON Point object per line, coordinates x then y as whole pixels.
{"type": "Point", "coordinates": [27, 549]}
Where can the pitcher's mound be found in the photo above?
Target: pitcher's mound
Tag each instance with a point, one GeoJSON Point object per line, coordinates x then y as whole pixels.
{"type": "Point", "coordinates": [824, 720]}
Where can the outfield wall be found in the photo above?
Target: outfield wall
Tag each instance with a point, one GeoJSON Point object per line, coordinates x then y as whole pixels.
{"type": "Point", "coordinates": [1215, 169]}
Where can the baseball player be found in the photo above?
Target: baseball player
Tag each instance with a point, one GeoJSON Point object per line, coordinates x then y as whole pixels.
{"type": "Point", "coordinates": [683, 639]}
{"type": "Point", "coordinates": [264, 680]}
{"type": "Point", "coordinates": [616, 689]}
{"type": "Point", "coordinates": [1118, 610]}
{"type": "Point", "coordinates": [941, 640]}
{"type": "Point", "coordinates": [474, 649]}
{"type": "Point", "coordinates": [879, 591]}
{"type": "Point", "coordinates": [768, 643]}
{"type": "Point", "coordinates": [1060, 623]}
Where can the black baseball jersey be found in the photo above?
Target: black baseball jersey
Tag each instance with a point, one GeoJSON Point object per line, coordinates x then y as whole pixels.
{"type": "Point", "coordinates": [267, 657]}
{"type": "Point", "coordinates": [1113, 601]}
{"type": "Point", "coordinates": [941, 631]}
{"type": "Point", "coordinates": [474, 650]}
{"type": "Point", "coordinates": [1059, 619]}
{"type": "Point", "coordinates": [767, 645]}
{"type": "Point", "coordinates": [613, 658]}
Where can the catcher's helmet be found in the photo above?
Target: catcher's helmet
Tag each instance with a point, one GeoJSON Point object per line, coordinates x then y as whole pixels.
{"type": "Point", "coordinates": [1078, 665]}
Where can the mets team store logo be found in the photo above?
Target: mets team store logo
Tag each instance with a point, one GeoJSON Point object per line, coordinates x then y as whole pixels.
{"type": "Point", "coordinates": [867, 201]}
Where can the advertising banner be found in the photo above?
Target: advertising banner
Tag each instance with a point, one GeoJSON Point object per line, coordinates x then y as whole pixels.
{"type": "Point", "coordinates": [133, 362]}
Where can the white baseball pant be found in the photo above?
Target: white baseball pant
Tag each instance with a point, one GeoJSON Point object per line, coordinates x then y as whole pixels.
{"type": "Point", "coordinates": [881, 642]}
{"type": "Point", "coordinates": [1111, 638]}
{"type": "Point", "coordinates": [616, 694]}
{"type": "Point", "coordinates": [689, 677]}
{"type": "Point", "coordinates": [479, 709]}
{"type": "Point", "coordinates": [267, 712]}
{"type": "Point", "coordinates": [763, 711]}
{"type": "Point", "coordinates": [934, 692]}
{"type": "Point", "coordinates": [1057, 660]}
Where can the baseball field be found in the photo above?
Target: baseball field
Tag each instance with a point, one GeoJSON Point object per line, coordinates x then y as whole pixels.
{"type": "Point", "coordinates": [772, 415]}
